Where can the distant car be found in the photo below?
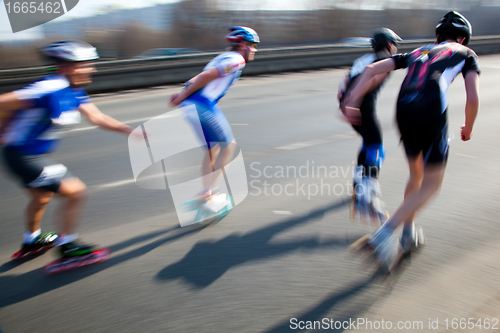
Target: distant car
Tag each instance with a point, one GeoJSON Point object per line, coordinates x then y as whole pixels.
{"type": "Point", "coordinates": [356, 42]}
{"type": "Point", "coordinates": [166, 52]}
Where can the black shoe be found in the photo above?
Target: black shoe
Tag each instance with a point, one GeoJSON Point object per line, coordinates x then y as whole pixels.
{"type": "Point", "coordinates": [75, 249]}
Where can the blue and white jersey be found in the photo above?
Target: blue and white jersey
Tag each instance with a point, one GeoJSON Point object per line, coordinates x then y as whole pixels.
{"type": "Point", "coordinates": [360, 64]}
{"type": "Point", "coordinates": [53, 106]}
{"type": "Point", "coordinates": [230, 65]}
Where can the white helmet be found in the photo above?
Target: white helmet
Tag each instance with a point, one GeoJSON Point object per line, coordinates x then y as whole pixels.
{"type": "Point", "coordinates": [70, 51]}
{"type": "Point", "coordinates": [239, 33]}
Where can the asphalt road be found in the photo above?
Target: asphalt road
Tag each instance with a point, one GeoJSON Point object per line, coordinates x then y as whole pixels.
{"type": "Point", "coordinates": [279, 255]}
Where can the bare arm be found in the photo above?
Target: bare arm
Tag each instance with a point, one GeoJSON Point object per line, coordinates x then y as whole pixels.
{"type": "Point", "coordinates": [198, 82]}
{"type": "Point", "coordinates": [371, 78]}
{"type": "Point", "coordinates": [472, 103]}
{"type": "Point", "coordinates": [96, 117]}
{"type": "Point", "coordinates": [367, 81]}
{"type": "Point", "coordinates": [376, 81]}
{"type": "Point", "coordinates": [8, 104]}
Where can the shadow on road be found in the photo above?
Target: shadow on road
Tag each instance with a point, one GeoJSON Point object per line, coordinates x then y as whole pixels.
{"type": "Point", "coordinates": [209, 260]}
{"type": "Point", "coordinates": [344, 317]}
{"type": "Point", "coordinates": [16, 289]}
{"type": "Point", "coordinates": [117, 247]}
{"type": "Point", "coordinates": [14, 263]}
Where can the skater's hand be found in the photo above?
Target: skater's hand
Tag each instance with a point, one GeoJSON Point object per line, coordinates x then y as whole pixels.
{"type": "Point", "coordinates": [176, 99]}
{"type": "Point", "coordinates": [350, 109]}
{"type": "Point", "coordinates": [466, 133]}
{"type": "Point", "coordinates": [138, 135]}
{"type": "Point", "coordinates": [352, 114]}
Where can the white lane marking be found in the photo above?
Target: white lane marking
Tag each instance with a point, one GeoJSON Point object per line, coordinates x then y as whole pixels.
{"type": "Point", "coordinates": [140, 120]}
{"type": "Point", "coordinates": [82, 129]}
{"type": "Point", "coordinates": [282, 212]}
{"type": "Point", "coordinates": [114, 184]}
{"type": "Point", "coordinates": [469, 156]}
{"type": "Point", "coordinates": [289, 147]}
{"type": "Point", "coordinates": [129, 181]}
{"type": "Point", "coordinates": [316, 142]}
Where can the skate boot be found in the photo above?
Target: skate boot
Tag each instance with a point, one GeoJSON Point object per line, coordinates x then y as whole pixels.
{"type": "Point", "coordinates": [385, 249]}
{"type": "Point", "coordinates": [376, 207]}
{"type": "Point", "coordinates": [200, 200]}
{"type": "Point", "coordinates": [367, 202]}
{"type": "Point", "coordinates": [42, 243]}
{"type": "Point", "coordinates": [75, 249]}
{"type": "Point", "coordinates": [359, 206]}
{"type": "Point", "coordinates": [74, 255]}
{"type": "Point", "coordinates": [412, 239]}
{"type": "Point", "coordinates": [217, 204]}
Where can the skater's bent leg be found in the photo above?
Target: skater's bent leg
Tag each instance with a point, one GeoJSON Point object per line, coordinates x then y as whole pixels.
{"type": "Point", "coordinates": [432, 179]}
{"type": "Point", "coordinates": [212, 155]}
{"type": "Point", "coordinates": [416, 166]}
{"type": "Point", "coordinates": [207, 166]}
{"type": "Point", "coordinates": [36, 208]}
{"type": "Point", "coordinates": [222, 160]}
{"type": "Point", "coordinates": [74, 191]}
{"type": "Point", "coordinates": [225, 155]}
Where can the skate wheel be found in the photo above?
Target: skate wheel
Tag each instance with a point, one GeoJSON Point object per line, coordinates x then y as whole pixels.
{"type": "Point", "coordinates": [66, 264]}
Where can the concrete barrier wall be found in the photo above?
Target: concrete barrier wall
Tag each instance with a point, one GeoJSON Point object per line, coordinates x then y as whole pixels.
{"type": "Point", "coordinates": [139, 73]}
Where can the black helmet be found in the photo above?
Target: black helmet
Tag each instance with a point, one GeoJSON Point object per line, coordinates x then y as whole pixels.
{"type": "Point", "coordinates": [456, 23]}
{"type": "Point", "coordinates": [381, 37]}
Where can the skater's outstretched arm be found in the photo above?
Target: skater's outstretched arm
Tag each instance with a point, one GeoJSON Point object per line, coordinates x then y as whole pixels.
{"type": "Point", "coordinates": [9, 103]}
{"type": "Point", "coordinates": [367, 81]}
{"type": "Point", "coordinates": [349, 108]}
{"type": "Point", "coordinates": [472, 103]}
{"type": "Point", "coordinates": [96, 117]}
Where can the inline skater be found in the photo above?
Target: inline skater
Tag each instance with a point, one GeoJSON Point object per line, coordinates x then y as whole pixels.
{"type": "Point", "coordinates": [422, 120]}
{"type": "Point", "coordinates": [204, 91]}
{"type": "Point", "coordinates": [34, 119]}
{"type": "Point", "coordinates": [367, 197]}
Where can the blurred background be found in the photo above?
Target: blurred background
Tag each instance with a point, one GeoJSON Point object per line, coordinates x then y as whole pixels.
{"type": "Point", "coordinates": [276, 256]}
{"type": "Point", "coordinates": [128, 29]}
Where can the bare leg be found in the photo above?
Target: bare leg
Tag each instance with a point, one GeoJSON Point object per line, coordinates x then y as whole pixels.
{"type": "Point", "coordinates": [75, 193]}
{"type": "Point", "coordinates": [36, 208]}
{"type": "Point", "coordinates": [208, 165]}
{"type": "Point", "coordinates": [416, 165]}
{"type": "Point", "coordinates": [222, 159]}
{"type": "Point", "coordinates": [432, 179]}
{"type": "Point", "coordinates": [218, 160]}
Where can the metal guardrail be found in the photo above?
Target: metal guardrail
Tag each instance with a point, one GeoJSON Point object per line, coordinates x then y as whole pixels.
{"type": "Point", "coordinates": [138, 73]}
